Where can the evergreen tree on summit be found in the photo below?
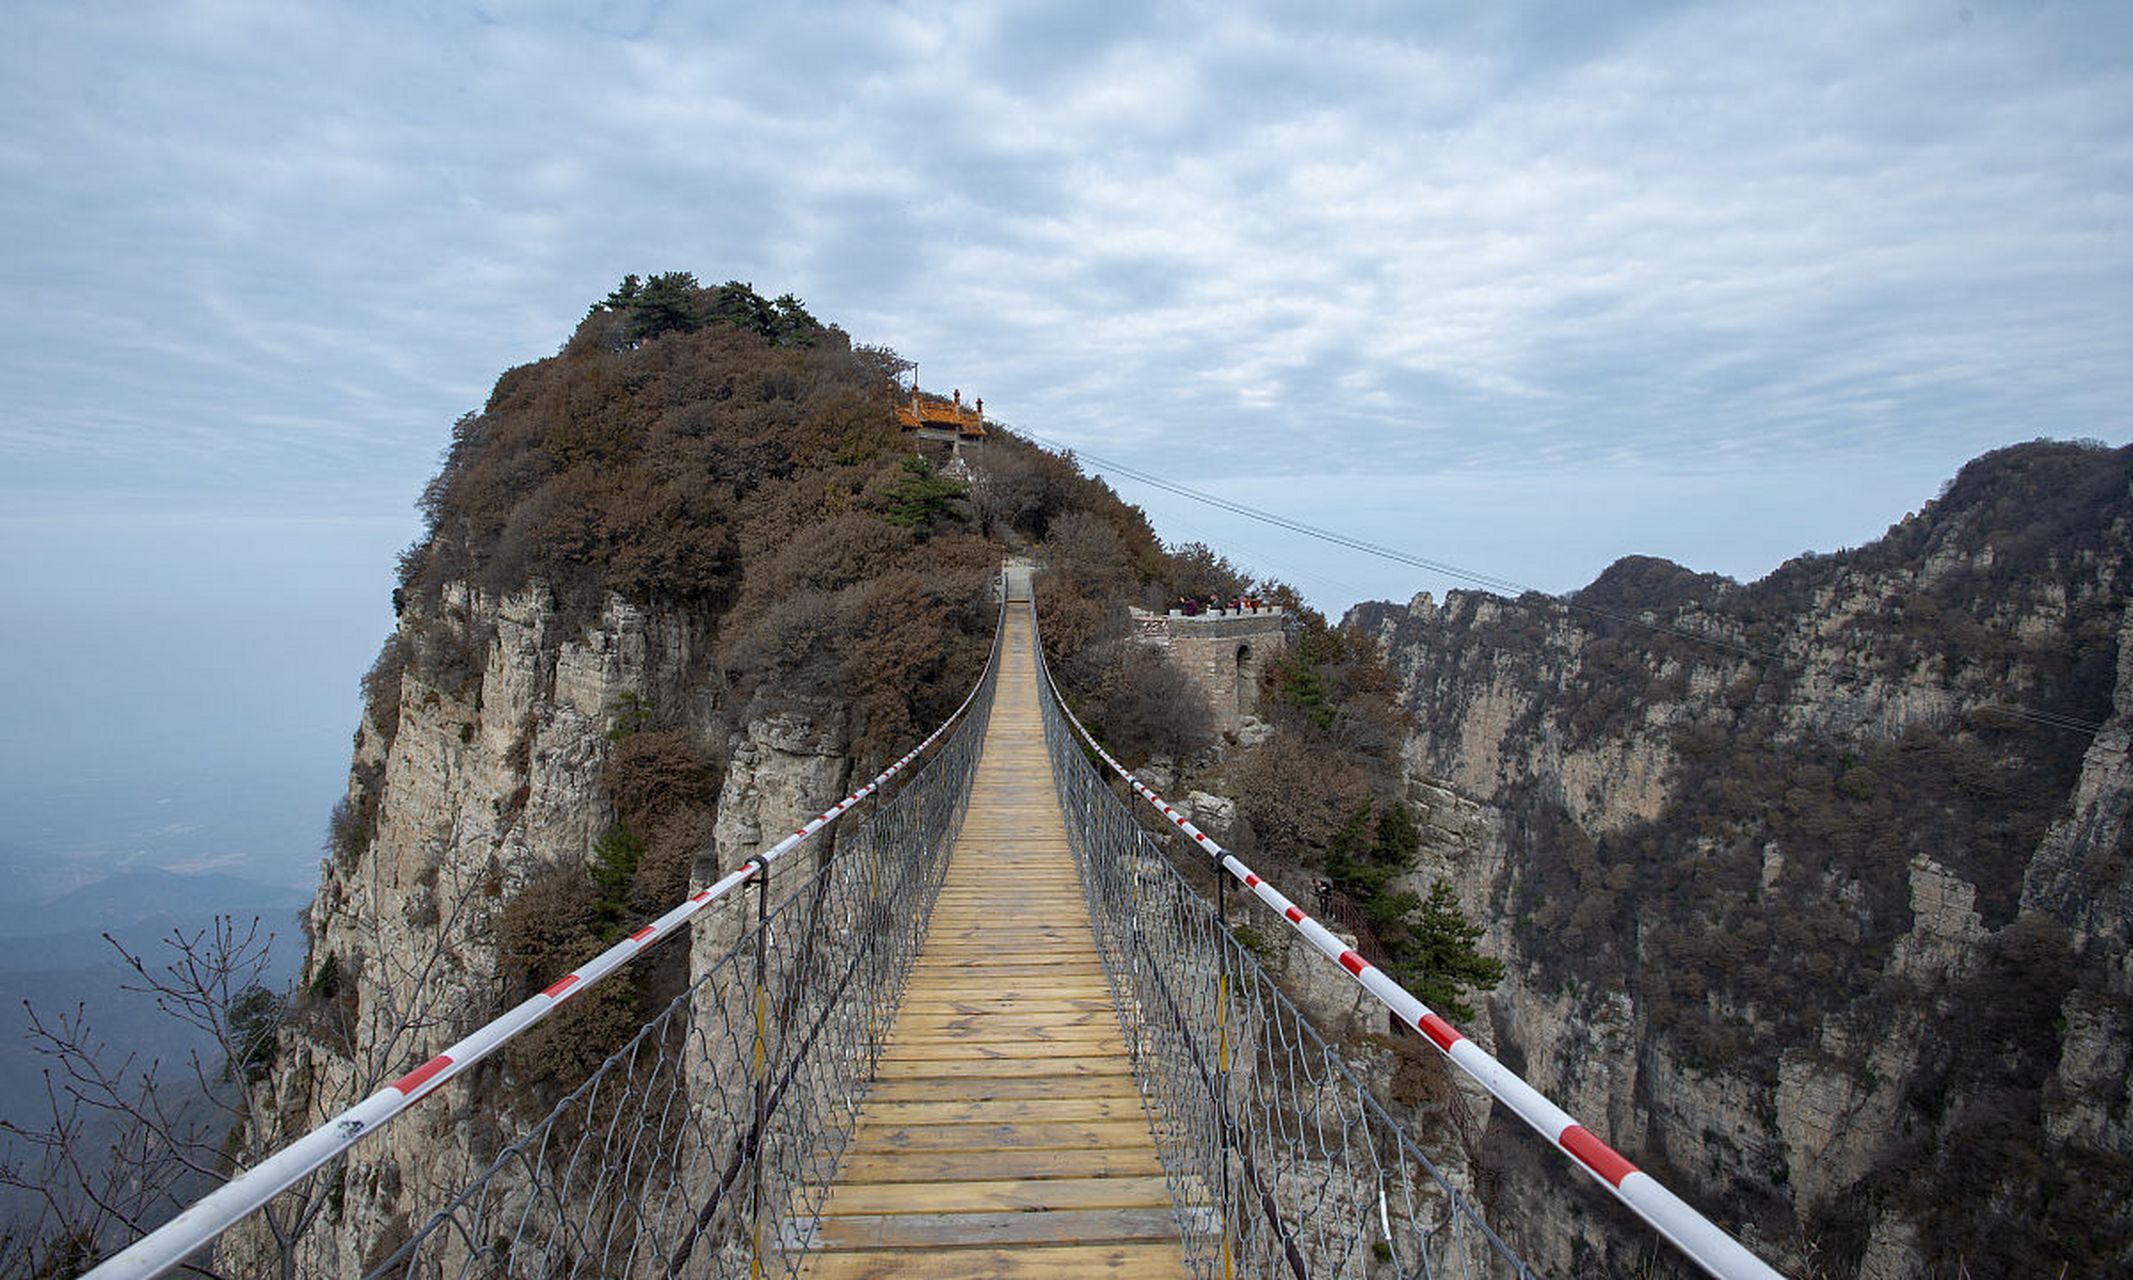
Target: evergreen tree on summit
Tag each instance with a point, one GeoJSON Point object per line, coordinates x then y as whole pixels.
{"type": "Point", "coordinates": [674, 302]}
{"type": "Point", "coordinates": [665, 304]}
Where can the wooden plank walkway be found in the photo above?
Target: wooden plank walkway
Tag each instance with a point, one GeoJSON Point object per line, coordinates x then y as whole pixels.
{"type": "Point", "coordinates": [1004, 1136]}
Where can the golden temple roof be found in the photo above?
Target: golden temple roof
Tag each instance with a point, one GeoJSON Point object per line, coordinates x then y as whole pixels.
{"type": "Point", "coordinates": [919, 410]}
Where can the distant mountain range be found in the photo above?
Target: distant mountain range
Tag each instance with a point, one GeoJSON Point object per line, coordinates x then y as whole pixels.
{"type": "Point", "coordinates": [54, 955]}
{"type": "Point", "coordinates": [63, 905]}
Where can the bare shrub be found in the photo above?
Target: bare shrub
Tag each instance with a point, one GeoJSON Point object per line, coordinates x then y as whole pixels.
{"type": "Point", "coordinates": [1295, 800]}
{"type": "Point", "coordinates": [652, 774]}
{"type": "Point", "coordinates": [381, 686]}
{"type": "Point", "coordinates": [128, 1141]}
{"type": "Point", "coordinates": [544, 929]}
{"type": "Point", "coordinates": [1143, 705]}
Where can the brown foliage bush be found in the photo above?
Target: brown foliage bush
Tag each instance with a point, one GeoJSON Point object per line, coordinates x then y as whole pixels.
{"type": "Point", "coordinates": [545, 928]}
{"type": "Point", "coordinates": [665, 790]}
{"type": "Point", "coordinates": [381, 686]}
{"type": "Point", "coordinates": [1022, 490]}
{"type": "Point", "coordinates": [638, 470]}
{"type": "Point", "coordinates": [1142, 705]}
{"type": "Point", "coordinates": [913, 634]}
{"type": "Point", "coordinates": [1294, 801]}
{"type": "Point", "coordinates": [652, 774]}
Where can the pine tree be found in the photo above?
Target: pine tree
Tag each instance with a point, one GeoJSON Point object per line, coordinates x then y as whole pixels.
{"type": "Point", "coordinates": [1441, 964]}
{"type": "Point", "coordinates": [665, 304]}
{"type": "Point", "coordinates": [614, 869]}
{"type": "Point", "coordinates": [925, 499]}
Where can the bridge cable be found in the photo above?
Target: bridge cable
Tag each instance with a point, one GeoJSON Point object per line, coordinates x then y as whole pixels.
{"type": "Point", "coordinates": [1507, 586]}
{"type": "Point", "coordinates": [1703, 1241]}
{"type": "Point", "coordinates": [205, 1219]}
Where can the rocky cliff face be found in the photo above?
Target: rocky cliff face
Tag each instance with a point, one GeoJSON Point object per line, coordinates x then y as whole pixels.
{"type": "Point", "coordinates": [1815, 893]}
{"type": "Point", "coordinates": [678, 582]}
{"type": "Point", "coordinates": [487, 762]}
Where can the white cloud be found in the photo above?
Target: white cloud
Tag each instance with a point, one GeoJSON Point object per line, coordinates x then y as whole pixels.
{"type": "Point", "coordinates": [1497, 239]}
{"type": "Point", "coordinates": [1516, 286]}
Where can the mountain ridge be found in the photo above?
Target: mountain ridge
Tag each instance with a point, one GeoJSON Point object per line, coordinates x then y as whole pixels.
{"type": "Point", "coordinates": [1792, 867]}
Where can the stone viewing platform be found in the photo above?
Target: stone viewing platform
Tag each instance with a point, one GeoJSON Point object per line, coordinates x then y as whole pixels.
{"type": "Point", "coordinates": [1223, 651]}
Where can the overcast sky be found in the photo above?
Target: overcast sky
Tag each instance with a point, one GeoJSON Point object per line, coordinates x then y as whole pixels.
{"type": "Point", "coordinates": [1520, 287]}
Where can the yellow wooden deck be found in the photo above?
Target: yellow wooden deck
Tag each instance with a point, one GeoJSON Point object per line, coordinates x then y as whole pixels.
{"type": "Point", "coordinates": [1003, 1137]}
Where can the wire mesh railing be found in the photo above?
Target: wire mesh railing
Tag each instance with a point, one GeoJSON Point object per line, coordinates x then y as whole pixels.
{"type": "Point", "coordinates": [702, 1143]}
{"type": "Point", "coordinates": [705, 1146]}
{"type": "Point", "coordinates": [1281, 1162]}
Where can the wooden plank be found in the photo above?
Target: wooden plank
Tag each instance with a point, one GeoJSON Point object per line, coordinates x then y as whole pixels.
{"type": "Point", "coordinates": [1006, 1010]}
{"type": "Point", "coordinates": [1021, 1195]}
{"type": "Point", "coordinates": [975, 984]}
{"type": "Point", "coordinates": [963, 1110]}
{"type": "Point", "coordinates": [986, 973]}
{"type": "Point", "coordinates": [993, 963]}
{"type": "Point", "coordinates": [980, 924]}
{"type": "Point", "coordinates": [1026, 957]}
{"type": "Point", "coordinates": [992, 941]}
{"type": "Point", "coordinates": [1051, 1022]}
{"type": "Point", "coordinates": [987, 1088]}
{"type": "Point", "coordinates": [970, 1166]}
{"type": "Point", "coordinates": [1014, 1006]}
{"type": "Point", "coordinates": [1027, 1003]}
{"type": "Point", "coordinates": [958, 983]}
{"type": "Point", "coordinates": [1001, 913]}
{"type": "Point", "coordinates": [957, 998]}
{"type": "Point", "coordinates": [1029, 1263]}
{"type": "Point", "coordinates": [1063, 1024]}
{"type": "Point", "coordinates": [1084, 1045]}
{"type": "Point", "coordinates": [1111, 1046]}
{"type": "Point", "coordinates": [1032, 1136]}
{"type": "Point", "coordinates": [980, 1230]}
{"type": "Point", "coordinates": [902, 1068]}
{"type": "Point", "coordinates": [944, 986]}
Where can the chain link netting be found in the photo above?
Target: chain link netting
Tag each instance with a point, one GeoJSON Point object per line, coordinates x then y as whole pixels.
{"type": "Point", "coordinates": [706, 1144]}
{"type": "Point", "coordinates": [1281, 1162]}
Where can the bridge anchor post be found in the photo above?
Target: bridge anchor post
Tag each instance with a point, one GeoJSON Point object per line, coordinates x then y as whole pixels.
{"type": "Point", "coordinates": [761, 1071]}
{"type": "Point", "coordinates": [1222, 1068]}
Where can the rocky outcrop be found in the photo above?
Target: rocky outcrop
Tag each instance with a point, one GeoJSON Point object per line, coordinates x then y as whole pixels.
{"type": "Point", "coordinates": [784, 766]}
{"type": "Point", "coordinates": [1815, 893]}
{"type": "Point", "coordinates": [500, 733]}
{"type": "Point", "coordinates": [1225, 654]}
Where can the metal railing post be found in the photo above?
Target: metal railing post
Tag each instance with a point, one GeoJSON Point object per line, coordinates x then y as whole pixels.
{"type": "Point", "coordinates": [1222, 1034]}
{"type": "Point", "coordinates": [872, 942]}
{"type": "Point", "coordinates": [761, 1073]}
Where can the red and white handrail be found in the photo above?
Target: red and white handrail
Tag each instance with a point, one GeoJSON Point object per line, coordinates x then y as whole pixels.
{"type": "Point", "coordinates": [1691, 1232]}
{"type": "Point", "coordinates": [210, 1216]}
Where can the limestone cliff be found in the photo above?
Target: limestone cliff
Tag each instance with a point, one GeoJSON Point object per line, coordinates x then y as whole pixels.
{"type": "Point", "coordinates": [680, 583]}
{"type": "Point", "coordinates": [468, 781]}
{"type": "Point", "coordinates": [677, 586]}
{"type": "Point", "coordinates": [1815, 893]}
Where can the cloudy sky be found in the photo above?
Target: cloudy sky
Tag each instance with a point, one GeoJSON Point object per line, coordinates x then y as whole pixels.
{"type": "Point", "coordinates": [1519, 287]}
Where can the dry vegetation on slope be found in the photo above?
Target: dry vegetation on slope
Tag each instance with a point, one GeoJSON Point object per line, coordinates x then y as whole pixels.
{"type": "Point", "coordinates": [1861, 874]}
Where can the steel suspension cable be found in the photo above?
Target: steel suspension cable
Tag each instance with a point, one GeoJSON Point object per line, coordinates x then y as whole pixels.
{"type": "Point", "coordinates": [1712, 1248]}
{"type": "Point", "coordinates": [1282, 1115]}
{"type": "Point", "coordinates": [206, 1219]}
{"type": "Point", "coordinates": [1513, 588]}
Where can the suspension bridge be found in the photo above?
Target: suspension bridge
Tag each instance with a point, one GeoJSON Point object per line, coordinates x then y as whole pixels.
{"type": "Point", "coordinates": [972, 1021]}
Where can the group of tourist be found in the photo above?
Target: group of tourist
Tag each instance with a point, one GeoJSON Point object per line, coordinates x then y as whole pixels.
{"type": "Point", "coordinates": [1194, 606]}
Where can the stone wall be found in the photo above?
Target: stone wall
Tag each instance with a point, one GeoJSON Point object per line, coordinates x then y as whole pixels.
{"type": "Point", "coordinates": [1224, 654]}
